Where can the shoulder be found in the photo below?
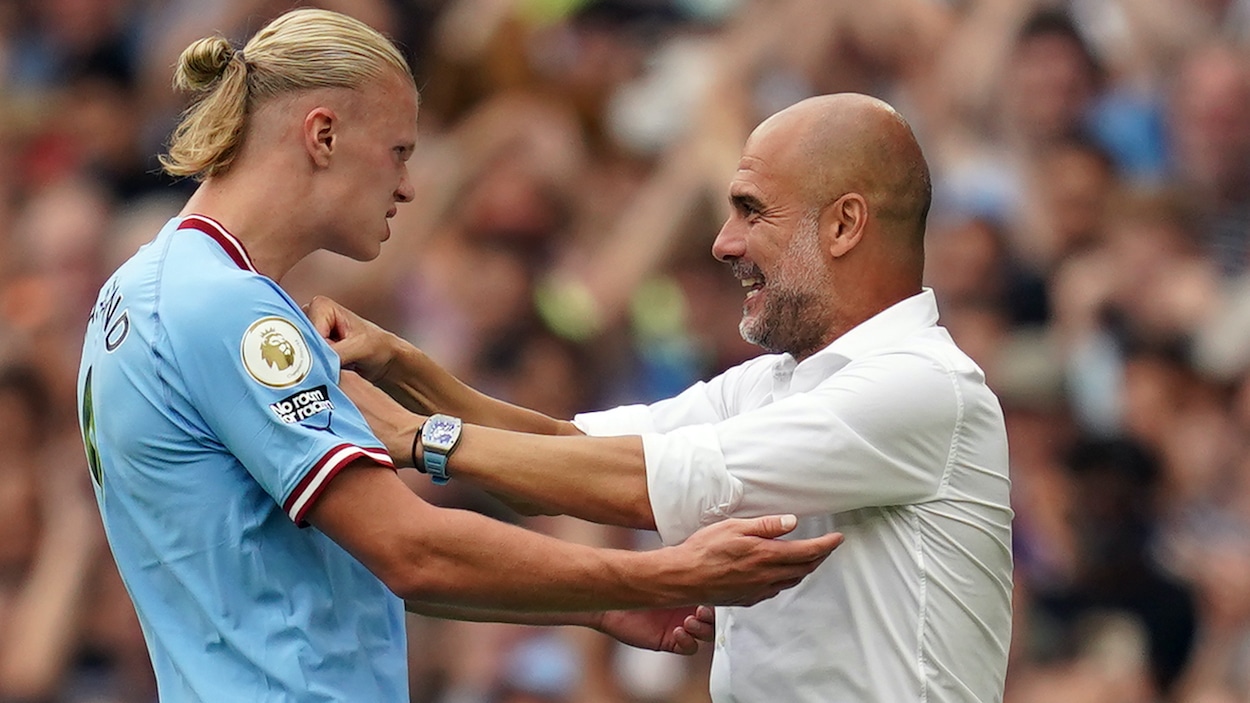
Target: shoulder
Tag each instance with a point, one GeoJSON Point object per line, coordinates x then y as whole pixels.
{"type": "Point", "coordinates": [198, 283]}
{"type": "Point", "coordinates": [926, 377]}
{"type": "Point", "coordinates": [206, 303]}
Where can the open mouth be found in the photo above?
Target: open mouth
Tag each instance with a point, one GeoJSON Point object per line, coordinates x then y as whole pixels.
{"type": "Point", "coordinates": [753, 284]}
{"type": "Point", "coordinates": [749, 275]}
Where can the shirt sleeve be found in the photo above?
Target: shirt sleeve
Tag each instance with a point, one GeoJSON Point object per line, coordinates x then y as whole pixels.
{"type": "Point", "coordinates": [704, 402]}
{"type": "Point", "coordinates": [877, 433]}
{"type": "Point", "coordinates": [266, 386]}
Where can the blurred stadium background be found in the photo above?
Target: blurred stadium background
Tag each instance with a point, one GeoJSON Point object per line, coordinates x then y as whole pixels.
{"type": "Point", "coordinates": [1089, 243]}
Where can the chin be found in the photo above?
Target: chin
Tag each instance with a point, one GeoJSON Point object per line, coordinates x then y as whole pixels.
{"type": "Point", "coordinates": [369, 255]}
{"type": "Point", "coordinates": [362, 252]}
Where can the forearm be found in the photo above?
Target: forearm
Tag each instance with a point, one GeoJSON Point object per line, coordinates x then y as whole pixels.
{"type": "Point", "coordinates": [515, 617]}
{"type": "Point", "coordinates": [421, 385]}
{"type": "Point", "coordinates": [601, 479]}
{"type": "Point", "coordinates": [459, 558]}
{"type": "Point", "coordinates": [466, 561]}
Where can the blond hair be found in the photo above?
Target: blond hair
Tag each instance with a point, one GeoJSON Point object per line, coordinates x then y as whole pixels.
{"type": "Point", "coordinates": [300, 50]}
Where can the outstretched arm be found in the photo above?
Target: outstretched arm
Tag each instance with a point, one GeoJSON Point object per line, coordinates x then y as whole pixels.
{"type": "Point", "coordinates": [458, 558]}
{"type": "Point", "coordinates": [676, 630]}
{"type": "Point", "coordinates": [414, 379]}
{"type": "Point", "coordinates": [601, 479]}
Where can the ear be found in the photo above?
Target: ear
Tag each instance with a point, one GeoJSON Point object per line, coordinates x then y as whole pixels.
{"type": "Point", "coordinates": [320, 133]}
{"type": "Point", "coordinates": [844, 223]}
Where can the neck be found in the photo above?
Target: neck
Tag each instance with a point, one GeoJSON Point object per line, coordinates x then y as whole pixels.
{"type": "Point", "coordinates": [850, 313]}
{"type": "Point", "coordinates": [258, 215]}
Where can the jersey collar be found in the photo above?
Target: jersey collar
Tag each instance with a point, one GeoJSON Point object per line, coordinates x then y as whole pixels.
{"type": "Point", "coordinates": [232, 246]}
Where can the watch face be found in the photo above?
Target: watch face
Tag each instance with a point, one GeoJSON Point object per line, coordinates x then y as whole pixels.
{"type": "Point", "coordinates": [440, 432]}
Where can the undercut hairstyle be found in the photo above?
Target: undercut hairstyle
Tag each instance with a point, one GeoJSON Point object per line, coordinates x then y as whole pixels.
{"type": "Point", "coordinates": [301, 50]}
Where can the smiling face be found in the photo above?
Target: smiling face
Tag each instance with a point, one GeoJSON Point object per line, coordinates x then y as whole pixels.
{"type": "Point", "coordinates": [827, 222]}
{"type": "Point", "coordinates": [773, 245]}
{"type": "Point", "coordinates": [377, 138]}
{"type": "Point", "coordinates": [781, 310]}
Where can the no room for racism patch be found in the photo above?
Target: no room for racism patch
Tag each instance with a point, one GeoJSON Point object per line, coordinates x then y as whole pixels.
{"type": "Point", "coordinates": [300, 406]}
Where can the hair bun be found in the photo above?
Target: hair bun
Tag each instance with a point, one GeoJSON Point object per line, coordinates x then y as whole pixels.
{"type": "Point", "coordinates": [202, 63]}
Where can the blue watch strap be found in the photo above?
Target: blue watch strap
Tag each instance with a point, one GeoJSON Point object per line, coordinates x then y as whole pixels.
{"type": "Point", "coordinates": [436, 466]}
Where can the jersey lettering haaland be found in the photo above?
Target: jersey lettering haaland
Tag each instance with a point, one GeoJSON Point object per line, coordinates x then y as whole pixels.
{"type": "Point", "coordinates": [212, 421]}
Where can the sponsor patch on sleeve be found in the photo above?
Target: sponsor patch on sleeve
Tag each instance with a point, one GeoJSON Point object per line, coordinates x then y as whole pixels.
{"type": "Point", "coordinates": [300, 406]}
{"type": "Point", "coordinates": [275, 353]}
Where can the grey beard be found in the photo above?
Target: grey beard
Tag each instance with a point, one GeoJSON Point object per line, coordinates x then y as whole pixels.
{"type": "Point", "coordinates": [785, 325]}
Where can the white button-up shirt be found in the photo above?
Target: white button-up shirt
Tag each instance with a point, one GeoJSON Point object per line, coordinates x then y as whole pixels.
{"type": "Point", "coordinates": [888, 435]}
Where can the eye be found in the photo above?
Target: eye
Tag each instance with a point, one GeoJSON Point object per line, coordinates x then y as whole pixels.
{"type": "Point", "coordinates": [746, 206]}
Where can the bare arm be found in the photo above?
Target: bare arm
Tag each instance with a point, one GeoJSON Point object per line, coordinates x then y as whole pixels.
{"type": "Point", "coordinates": [455, 557]}
{"type": "Point", "coordinates": [601, 479]}
{"type": "Point", "coordinates": [414, 379]}
{"type": "Point", "coordinates": [677, 630]}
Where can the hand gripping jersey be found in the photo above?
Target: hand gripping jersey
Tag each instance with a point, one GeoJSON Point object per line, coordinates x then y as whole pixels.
{"type": "Point", "coordinates": [212, 420]}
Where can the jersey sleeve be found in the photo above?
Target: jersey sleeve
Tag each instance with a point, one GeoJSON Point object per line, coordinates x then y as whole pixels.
{"type": "Point", "coordinates": [881, 433]}
{"type": "Point", "coordinates": [266, 386]}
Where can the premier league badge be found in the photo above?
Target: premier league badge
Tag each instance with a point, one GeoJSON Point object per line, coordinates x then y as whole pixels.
{"type": "Point", "coordinates": [274, 353]}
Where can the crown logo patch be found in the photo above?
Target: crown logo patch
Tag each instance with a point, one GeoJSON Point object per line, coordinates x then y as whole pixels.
{"type": "Point", "coordinates": [274, 352]}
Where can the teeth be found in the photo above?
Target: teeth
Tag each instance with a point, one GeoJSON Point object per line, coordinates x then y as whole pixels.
{"type": "Point", "coordinates": [750, 282]}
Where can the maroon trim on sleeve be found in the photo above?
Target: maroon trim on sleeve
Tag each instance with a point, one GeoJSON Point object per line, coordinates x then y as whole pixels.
{"type": "Point", "coordinates": [318, 477]}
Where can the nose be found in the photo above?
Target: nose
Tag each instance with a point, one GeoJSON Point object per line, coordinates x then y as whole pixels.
{"type": "Point", "coordinates": [406, 191]}
{"type": "Point", "coordinates": [730, 243]}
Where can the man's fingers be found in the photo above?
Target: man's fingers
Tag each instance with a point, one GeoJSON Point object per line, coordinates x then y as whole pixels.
{"type": "Point", "coordinates": [699, 629]}
{"type": "Point", "coordinates": [770, 526]}
{"type": "Point", "coordinates": [321, 313]}
{"type": "Point", "coordinates": [350, 350]}
{"type": "Point", "coordinates": [808, 552]}
{"type": "Point", "coordinates": [683, 642]}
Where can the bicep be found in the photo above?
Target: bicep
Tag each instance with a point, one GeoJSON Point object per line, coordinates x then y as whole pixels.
{"type": "Point", "coordinates": [370, 512]}
{"type": "Point", "coordinates": [876, 435]}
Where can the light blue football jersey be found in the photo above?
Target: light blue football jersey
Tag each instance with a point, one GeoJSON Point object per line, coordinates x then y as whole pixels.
{"type": "Point", "coordinates": [212, 420]}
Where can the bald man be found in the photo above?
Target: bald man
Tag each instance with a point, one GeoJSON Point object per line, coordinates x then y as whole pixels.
{"type": "Point", "coordinates": [864, 418]}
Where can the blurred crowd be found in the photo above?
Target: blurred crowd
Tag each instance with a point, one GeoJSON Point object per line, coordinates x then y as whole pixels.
{"type": "Point", "coordinates": [1089, 245]}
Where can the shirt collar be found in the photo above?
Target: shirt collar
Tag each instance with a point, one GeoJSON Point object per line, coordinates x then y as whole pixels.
{"type": "Point", "coordinates": [228, 242]}
{"type": "Point", "coordinates": [886, 328]}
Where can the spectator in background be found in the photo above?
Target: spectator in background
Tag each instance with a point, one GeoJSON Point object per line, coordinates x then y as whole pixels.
{"type": "Point", "coordinates": [1112, 518]}
{"type": "Point", "coordinates": [1211, 142]}
{"type": "Point", "coordinates": [49, 551]}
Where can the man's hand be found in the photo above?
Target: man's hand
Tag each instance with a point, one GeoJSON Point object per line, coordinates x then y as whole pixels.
{"type": "Point", "coordinates": [362, 346]}
{"type": "Point", "coordinates": [390, 421]}
{"type": "Point", "coordinates": [676, 630]}
{"type": "Point", "coordinates": [740, 562]}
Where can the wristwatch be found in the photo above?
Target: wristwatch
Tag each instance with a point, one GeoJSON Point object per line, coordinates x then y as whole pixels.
{"type": "Point", "coordinates": [439, 436]}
